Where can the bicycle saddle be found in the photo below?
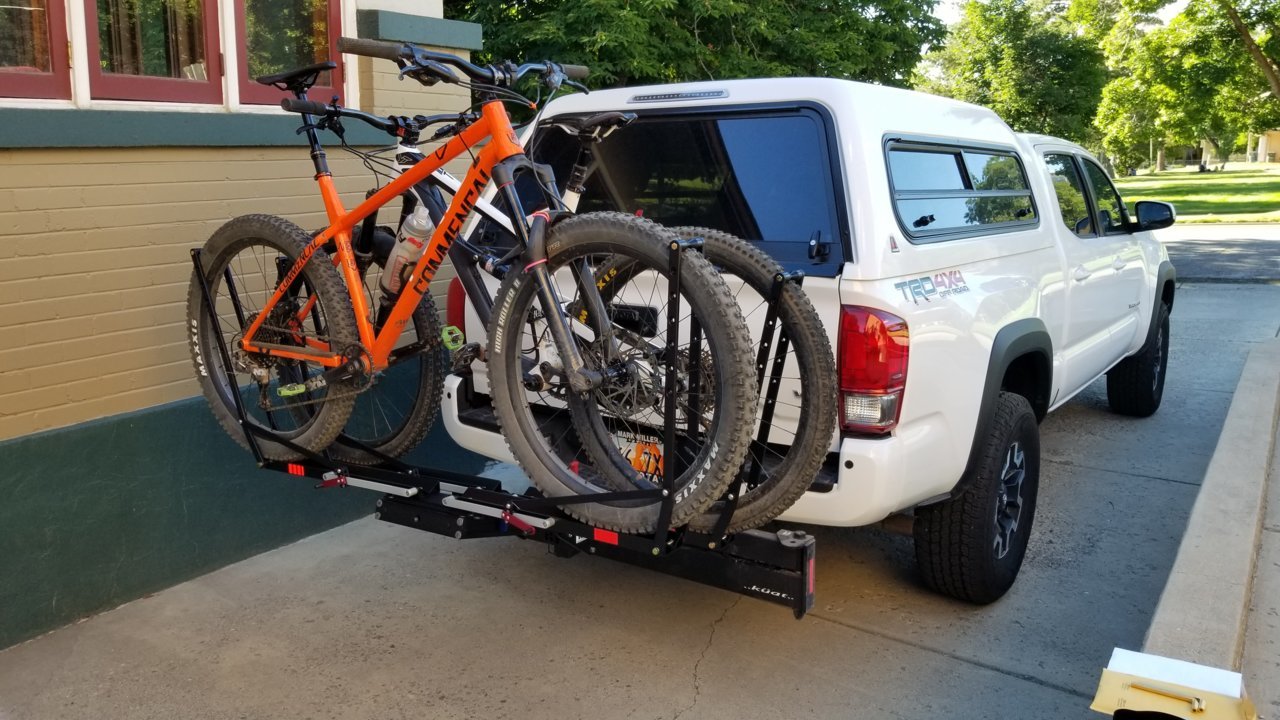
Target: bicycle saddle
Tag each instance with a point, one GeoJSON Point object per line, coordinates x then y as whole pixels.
{"type": "Point", "coordinates": [299, 79]}
{"type": "Point", "coordinates": [595, 126]}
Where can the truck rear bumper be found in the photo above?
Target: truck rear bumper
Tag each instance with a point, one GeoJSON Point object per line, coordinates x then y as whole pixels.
{"type": "Point", "coordinates": [868, 487]}
{"type": "Point", "coordinates": [864, 491]}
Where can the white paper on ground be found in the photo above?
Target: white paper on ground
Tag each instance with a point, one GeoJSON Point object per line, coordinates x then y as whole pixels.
{"type": "Point", "coordinates": [1177, 672]}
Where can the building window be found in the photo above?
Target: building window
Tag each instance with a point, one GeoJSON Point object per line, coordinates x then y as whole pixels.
{"type": "Point", "coordinates": [33, 49]}
{"type": "Point", "coordinates": [942, 192]}
{"type": "Point", "coordinates": [276, 35]}
{"type": "Point", "coordinates": [154, 50]}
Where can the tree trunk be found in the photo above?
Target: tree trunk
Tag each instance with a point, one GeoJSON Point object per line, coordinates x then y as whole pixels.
{"type": "Point", "coordinates": [1268, 66]}
{"type": "Point", "coordinates": [1160, 164]}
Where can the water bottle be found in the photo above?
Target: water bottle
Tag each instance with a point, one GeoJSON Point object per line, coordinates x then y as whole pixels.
{"type": "Point", "coordinates": [412, 240]}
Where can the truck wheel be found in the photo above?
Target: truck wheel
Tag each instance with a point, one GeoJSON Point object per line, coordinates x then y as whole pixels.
{"type": "Point", "coordinates": [971, 546]}
{"type": "Point", "coordinates": [1136, 384]}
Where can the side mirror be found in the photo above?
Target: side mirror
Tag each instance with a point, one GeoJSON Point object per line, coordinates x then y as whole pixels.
{"type": "Point", "coordinates": [1153, 215]}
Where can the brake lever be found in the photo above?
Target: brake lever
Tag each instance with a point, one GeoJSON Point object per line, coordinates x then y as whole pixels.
{"type": "Point", "coordinates": [429, 72]}
{"type": "Point", "coordinates": [577, 86]}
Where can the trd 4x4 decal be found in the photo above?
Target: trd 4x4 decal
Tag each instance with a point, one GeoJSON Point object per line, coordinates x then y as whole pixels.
{"type": "Point", "coordinates": [944, 284]}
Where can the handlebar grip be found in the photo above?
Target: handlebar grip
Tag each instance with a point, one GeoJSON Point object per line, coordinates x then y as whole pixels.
{"type": "Point", "coordinates": [310, 107]}
{"type": "Point", "coordinates": [371, 48]}
{"type": "Point", "coordinates": [576, 72]}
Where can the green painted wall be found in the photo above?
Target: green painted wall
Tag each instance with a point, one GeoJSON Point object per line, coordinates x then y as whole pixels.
{"type": "Point", "coordinates": [104, 512]}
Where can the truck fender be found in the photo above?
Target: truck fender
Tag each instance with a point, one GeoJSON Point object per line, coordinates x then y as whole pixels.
{"type": "Point", "coordinates": [1027, 336]}
{"type": "Point", "coordinates": [1164, 275]}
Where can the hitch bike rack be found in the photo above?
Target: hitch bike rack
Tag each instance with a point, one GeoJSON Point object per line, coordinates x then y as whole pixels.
{"type": "Point", "coordinates": [775, 566]}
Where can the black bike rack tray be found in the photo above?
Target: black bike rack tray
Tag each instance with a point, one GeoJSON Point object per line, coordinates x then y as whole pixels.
{"type": "Point", "coordinates": [777, 566]}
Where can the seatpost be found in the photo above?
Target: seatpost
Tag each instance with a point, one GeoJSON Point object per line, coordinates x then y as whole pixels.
{"type": "Point", "coordinates": [318, 157]}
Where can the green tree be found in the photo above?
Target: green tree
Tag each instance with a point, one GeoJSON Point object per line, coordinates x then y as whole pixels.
{"type": "Point", "coordinates": [1024, 60]}
{"type": "Point", "coordinates": [657, 41]}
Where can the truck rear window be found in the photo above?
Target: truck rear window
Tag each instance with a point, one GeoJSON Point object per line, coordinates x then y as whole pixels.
{"type": "Point", "coordinates": [763, 177]}
{"type": "Point", "coordinates": [942, 192]}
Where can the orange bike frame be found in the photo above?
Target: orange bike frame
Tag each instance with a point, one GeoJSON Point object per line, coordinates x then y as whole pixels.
{"type": "Point", "coordinates": [494, 124]}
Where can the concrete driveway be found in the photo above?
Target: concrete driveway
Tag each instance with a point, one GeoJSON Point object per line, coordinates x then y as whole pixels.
{"type": "Point", "coordinates": [372, 620]}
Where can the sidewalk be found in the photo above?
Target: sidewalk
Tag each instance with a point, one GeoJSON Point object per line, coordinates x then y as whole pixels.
{"type": "Point", "coordinates": [1262, 639]}
{"type": "Point", "coordinates": [1221, 605]}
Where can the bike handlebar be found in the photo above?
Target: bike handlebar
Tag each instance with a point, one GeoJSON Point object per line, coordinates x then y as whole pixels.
{"type": "Point", "coordinates": [310, 107]}
{"type": "Point", "coordinates": [392, 125]}
{"type": "Point", "coordinates": [505, 74]}
{"type": "Point", "coordinates": [370, 48]}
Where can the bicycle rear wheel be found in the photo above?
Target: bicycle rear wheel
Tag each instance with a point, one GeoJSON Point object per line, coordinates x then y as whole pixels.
{"type": "Point", "coordinates": [396, 412]}
{"type": "Point", "coordinates": [804, 417]}
{"type": "Point", "coordinates": [613, 437]}
{"type": "Point", "coordinates": [244, 262]}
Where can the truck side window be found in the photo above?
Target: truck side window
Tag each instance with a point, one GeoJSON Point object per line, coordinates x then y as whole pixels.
{"type": "Point", "coordinates": [1070, 190]}
{"type": "Point", "coordinates": [942, 192]}
{"type": "Point", "coordinates": [1112, 213]}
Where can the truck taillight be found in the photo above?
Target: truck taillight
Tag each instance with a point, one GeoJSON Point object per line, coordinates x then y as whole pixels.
{"type": "Point", "coordinates": [873, 368]}
{"type": "Point", "coordinates": [455, 306]}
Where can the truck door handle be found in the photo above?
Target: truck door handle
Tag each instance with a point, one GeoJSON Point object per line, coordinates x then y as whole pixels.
{"type": "Point", "coordinates": [1119, 264]}
{"type": "Point", "coordinates": [1082, 273]}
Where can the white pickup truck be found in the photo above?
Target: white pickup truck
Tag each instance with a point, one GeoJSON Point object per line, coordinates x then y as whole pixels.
{"type": "Point", "coordinates": [971, 279]}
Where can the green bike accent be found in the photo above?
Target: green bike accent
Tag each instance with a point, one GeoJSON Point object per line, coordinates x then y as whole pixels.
{"type": "Point", "coordinates": [291, 389]}
{"type": "Point", "coordinates": [452, 337]}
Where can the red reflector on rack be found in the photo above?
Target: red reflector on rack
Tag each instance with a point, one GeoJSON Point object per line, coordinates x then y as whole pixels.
{"type": "Point", "coordinates": [296, 469]}
{"type": "Point", "coordinates": [606, 536]}
{"type": "Point", "coordinates": [811, 567]}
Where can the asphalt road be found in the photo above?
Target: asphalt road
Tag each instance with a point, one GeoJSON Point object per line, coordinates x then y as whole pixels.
{"type": "Point", "coordinates": [377, 620]}
{"type": "Point", "coordinates": [1224, 253]}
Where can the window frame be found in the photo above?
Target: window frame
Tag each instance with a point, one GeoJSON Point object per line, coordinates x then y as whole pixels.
{"type": "Point", "coordinates": [841, 248]}
{"type": "Point", "coordinates": [1085, 191]}
{"type": "Point", "coordinates": [1124, 227]}
{"type": "Point", "coordinates": [55, 84]}
{"type": "Point", "coordinates": [114, 86]}
{"type": "Point", "coordinates": [254, 93]}
{"type": "Point", "coordinates": [895, 141]}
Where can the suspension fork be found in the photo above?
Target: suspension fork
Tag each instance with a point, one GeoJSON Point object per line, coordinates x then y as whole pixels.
{"type": "Point", "coordinates": [533, 237]}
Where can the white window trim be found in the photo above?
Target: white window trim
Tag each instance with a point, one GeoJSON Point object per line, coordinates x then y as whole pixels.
{"type": "Point", "coordinates": [81, 94]}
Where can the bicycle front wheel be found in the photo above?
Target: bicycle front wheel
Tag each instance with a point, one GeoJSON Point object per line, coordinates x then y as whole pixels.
{"type": "Point", "coordinates": [244, 262]}
{"type": "Point", "coordinates": [612, 437]}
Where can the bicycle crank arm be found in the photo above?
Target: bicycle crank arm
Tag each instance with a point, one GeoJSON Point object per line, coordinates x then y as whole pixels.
{"type": "Point", "coordinates": [342, 373]}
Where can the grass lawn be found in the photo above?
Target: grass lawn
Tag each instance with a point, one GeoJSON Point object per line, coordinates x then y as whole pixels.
{"type": "Point", "coordinates": [1242, 193]}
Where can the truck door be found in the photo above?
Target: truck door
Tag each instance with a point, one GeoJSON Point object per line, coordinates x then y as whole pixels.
{"type": "Point", "coordinates": [1124, 274]}
{"type": "Point", "coordinates": [1090, 311]}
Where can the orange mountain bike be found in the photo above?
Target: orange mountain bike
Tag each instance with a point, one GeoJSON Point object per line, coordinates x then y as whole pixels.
{"type": "Point", "coordinates": [306, 336]}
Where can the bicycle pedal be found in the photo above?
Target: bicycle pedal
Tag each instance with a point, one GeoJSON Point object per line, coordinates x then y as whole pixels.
{"type": "Point", "coordinates": [464, 356]}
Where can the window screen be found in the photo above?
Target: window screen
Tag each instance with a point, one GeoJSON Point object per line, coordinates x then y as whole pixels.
{"type": "Point", "coordinates": [944, 191]}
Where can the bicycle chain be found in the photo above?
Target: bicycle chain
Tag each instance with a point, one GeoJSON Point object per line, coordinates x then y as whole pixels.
{"type": "Point", "coordinates": [369, 378]}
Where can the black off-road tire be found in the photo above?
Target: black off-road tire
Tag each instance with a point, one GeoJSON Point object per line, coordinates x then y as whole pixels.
{"type": "Point", "coordinates": [725, 337]}
{"type": "Point", "coordinates": [1135, 386]}
{"type": "Point", "coordinates": [430, 366]}
{"type": "Point", "coordinates": [957, 541]}
{"type": "Point", "coordinates": [790, 469]}
{"type": "Point", "coordinates": [323, 420]}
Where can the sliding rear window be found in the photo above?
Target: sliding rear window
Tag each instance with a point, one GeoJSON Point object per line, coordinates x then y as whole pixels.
{"type": "Point", "coordinates": [945, 192]}
{"type": "Point", "coordinates": [765, 176]}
